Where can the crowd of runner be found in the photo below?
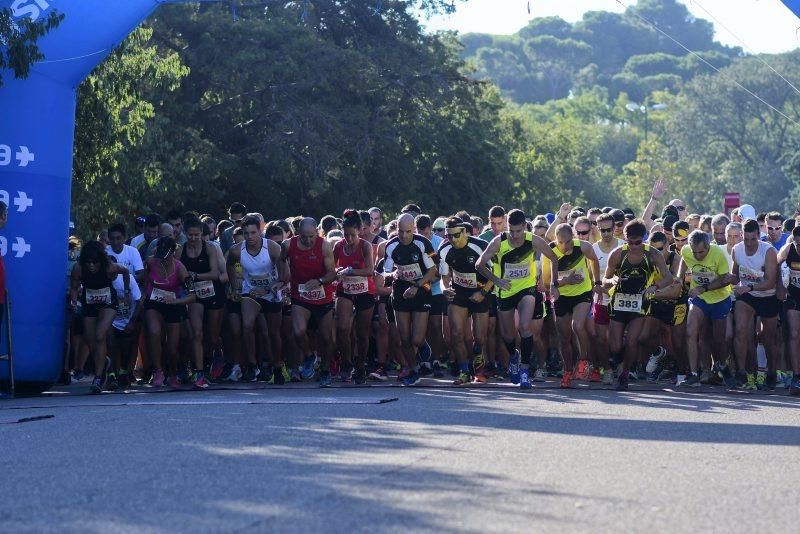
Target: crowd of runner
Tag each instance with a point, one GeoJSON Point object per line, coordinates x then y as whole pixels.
{"type": "Point", "coordinates": [596, 295]}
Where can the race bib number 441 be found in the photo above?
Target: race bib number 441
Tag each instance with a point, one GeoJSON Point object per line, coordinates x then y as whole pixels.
{"type": "Point", "coordinates": [409, 273]}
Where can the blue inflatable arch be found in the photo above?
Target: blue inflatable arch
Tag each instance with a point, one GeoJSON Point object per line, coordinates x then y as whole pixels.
{"type": "Point", "coordinates": [37, 122]}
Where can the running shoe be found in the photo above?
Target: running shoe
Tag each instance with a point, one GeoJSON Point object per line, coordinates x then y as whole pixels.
{"type": "Point", "coordinates": [277, 378]}
{"type": "Point", "coordinates": [379, 374]}
{"type": "Point", "coordinates": [513, 367]}
{"type": "Point", "coordinates": [794, 387]}
{"type": "Point", "coordinates": [500, 372]}
{"type": "Point", "coordinates": [295, 376]}
{"type": "Point", "coordinates": [308, 369]}
{"type": "Point", "coordinates": [566, 380]}
{"type": "Point", "coordinates": [111, 382]}
{"type": "Point", "coordinates": [692, 381]}
{"type": "Point", "coordinates": [437, 369]}
{"type": "Point", "coordinates": [780, 380]}
{"type": "Point", "coordinates": [608, 377]}
{"type": "Point", "coordinates": [346, 375]}
{"type": "Point", "coordinates": [236, 373]}
{"type": "Point", "coordinates": [425, 369]}
{"type": "Point", "coordinates": [539, 375]}
{"type": "Point", "coordinates": [200, 381]}
{"type": "Point", "coordinates": [217, 366]}
{"type": "Point", "coordinates": [184, 374]}
{"type": "Point", "coordinates": [595, 376]}
{"type": "Point", "coordinates": [622, 381]}
{"type": "Point", "coordinates": [524, 380]}
{"type": "Point", "coordinates": [788, 378]}
{"type": "Point", "coordinates": [481, 379]}
{"type": "Point", "coordinates": [655, 359]}
{"type": "Point", "coordinates": [77, 376]}
{"type": "Point", "coordinates": [581, 373]}
{"type": "Point", "coordinates": [252, 373]}
{"type": "Point", "coordinates": [158, 378]}
{"type": "Point", "coordinates": [411, 379]}
{"type": "Point", "coordinates": [750, 383]}
{"type": "Point", "coordinates": [478, 365]}
{"type": "Point", "coordinates": [705, 376]}
{"type": "Point", "coordinates": [403, 374]}
{"type": "Point", "coordinates": [97, 386]}
{"type": "Point", "coordinates": [124, 380]}
{"type": "Point", "coordinates": [265, 372]}
{"type": "Point", "coordinates": [667, 376]}
{"type": "Point", "coordinates": [741, 378]}
{"type": "Point", "coordinates": [360, 376]}
{"type": "Point", "coordinates": [761, 380]}
{"type": "Point", "coordinates": [724, 372]}
{"type": "Point", "coordinates": [325, 379]}
{"type": "Point", "coordinates": [463, 379]}
{"type": "Point", "coordinates": [173, 382]}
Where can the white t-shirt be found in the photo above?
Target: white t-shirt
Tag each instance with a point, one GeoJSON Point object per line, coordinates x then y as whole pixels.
{"type": "Point", "coordinates": [124, 315]}
{"type": "Point", "coordinates": [129, 258]}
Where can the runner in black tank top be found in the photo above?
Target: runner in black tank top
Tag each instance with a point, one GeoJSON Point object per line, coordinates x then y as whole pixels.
{"type": "Point", "coordinates": [790, 254]}
{"type": "Point", "coordinates": [99, 300]}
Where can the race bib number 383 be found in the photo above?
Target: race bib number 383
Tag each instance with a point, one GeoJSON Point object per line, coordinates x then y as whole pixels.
{"type": "Point", "coordinates": [628, 303]}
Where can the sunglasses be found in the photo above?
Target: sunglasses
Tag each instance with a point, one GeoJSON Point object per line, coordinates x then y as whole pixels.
{"type": "Point", "coordinates": [681, 238]}
{"type": "Point", "coordinates": [455, 234]}
{"type": "Point", "coordinates": [619, 224]}
{"type": "Point", "coordinates": [774, 228]}
{"type": "Point", "coordinates": [660, 249]}
{"type": "Point", "coordinates": [680, 208]}
{"type": "Point", "coordinates": [587, 232]}
{"type": "Point", "coordinates": [635, 243]}
{"type": "Point", "coordinates": [438, 229]}
{"type": "Point", "coordinates": [606, 230]}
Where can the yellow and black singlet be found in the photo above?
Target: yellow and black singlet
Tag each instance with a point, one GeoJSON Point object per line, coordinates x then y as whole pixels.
{"type": "Point", "coordinates": [517, 265]}
{"type": "Point", "coordinates": [575, 261]}
{"type": "Point", "coordinates": [634, 278]}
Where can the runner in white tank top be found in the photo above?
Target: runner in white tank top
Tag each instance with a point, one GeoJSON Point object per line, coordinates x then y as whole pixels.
{"type": "Point", "coordinates": [259, 272]}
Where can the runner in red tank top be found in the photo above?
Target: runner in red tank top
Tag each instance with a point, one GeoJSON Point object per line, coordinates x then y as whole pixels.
{"type": "Point", "coordinates": [354, 266]}
{"type": "Point", "coordinates": [312, 268]}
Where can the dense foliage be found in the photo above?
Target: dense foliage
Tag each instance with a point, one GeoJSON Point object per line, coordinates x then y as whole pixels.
{"type": "Point", "coordinates": [296, 108]}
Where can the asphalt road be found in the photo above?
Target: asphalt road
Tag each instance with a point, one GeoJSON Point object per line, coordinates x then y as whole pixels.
{"type": "Point", "coordinates": [298, 459]}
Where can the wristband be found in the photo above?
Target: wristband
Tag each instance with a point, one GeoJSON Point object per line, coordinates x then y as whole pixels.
{"type": "Point", "coordinates": [598, 283]}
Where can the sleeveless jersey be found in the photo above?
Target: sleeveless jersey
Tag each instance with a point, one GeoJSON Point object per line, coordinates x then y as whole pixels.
{"type": "Point", "coordinates": [259, 271]}
{"type": "Point", "coordinates": [573, 262]}
{"type": "Point", "coordinates": [517, 265]}
{"type": "Point", "coordinates": [353, 285]}
{"type": "Point", "coordinates": [751, 268]}
{"type": "Point", "coordinates": [793, 263]}
{"type": "Point", "coordinates": [627, 295]}
{"type": "Point", "coordinates": [308, 265]}
{"type": "Point", "coordinates": [159, 287]}
{"type": "Point", "coordinates": [201, 265]}
{"type": "Point", "coordinates": [459, 265]}
{"type": "Point", "coordinates": [97, 287]}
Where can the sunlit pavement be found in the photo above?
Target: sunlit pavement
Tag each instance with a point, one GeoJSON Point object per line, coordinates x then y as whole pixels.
{"type": "Point", "coordinates": [297, 458]}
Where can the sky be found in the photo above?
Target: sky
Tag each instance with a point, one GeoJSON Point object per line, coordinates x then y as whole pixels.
{"type": "Point", "coordinates": [764, 26]}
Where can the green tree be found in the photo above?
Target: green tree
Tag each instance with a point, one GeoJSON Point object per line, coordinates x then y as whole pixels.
{"type": "Point", "coordinates": [19, 37]}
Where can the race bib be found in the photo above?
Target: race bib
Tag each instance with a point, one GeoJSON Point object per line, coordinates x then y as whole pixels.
{"type": "Point", "coordinates": [703, 278]}
{"type": "Point", "coordinates": [159, 295]}
{"type": "Point", "coordinates": [794, 278]}
{"type": "Point", "coordinates": [469, 280]}
{"type": "Point", "coordinates": [518, 271]}
{"type": "Point", "coordinates": [311, 294]}
{"type": "Point", "coordinates": [625, 302]}
{"type": "Point", "coordinates": [749, 276]}
{"type": "Point", "coordinates": [204, 289]}
{"type": "Point", "coordinates": [355, 285]}
{"type": "Point", "coordinates": [562, 275]}
{"type": "Point", "coordinates": [261, 280]}
{"type": "Point", "coordinates": [123, 312]}
{"type": "Point", "coordinates": [409, 273]}
{"type": "Point", "coordinates": [98, 296]}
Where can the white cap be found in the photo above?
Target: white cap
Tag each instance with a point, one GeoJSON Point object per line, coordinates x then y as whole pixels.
{"type": "Point", "coordinates": [746, 211]}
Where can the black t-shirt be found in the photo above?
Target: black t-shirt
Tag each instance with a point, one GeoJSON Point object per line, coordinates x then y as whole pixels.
{"type": "Point", "coordinates": [459, 265]}
{"type": "Point", "coordinates": [410, 261]}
